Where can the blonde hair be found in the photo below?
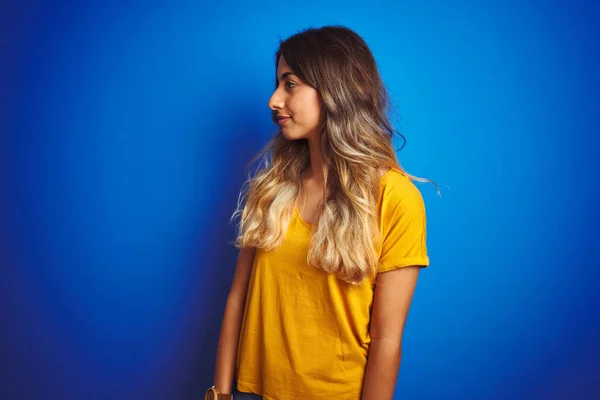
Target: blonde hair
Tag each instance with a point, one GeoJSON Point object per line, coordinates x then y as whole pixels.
{"type": "Point", "coordinates": [355, 142]}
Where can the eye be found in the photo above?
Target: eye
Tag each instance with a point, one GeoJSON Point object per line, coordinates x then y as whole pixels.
{"type": "Point", "coordinates": [288, 83]}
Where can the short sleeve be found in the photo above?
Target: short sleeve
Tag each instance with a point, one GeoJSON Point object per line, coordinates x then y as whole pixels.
{"type": "Point", "coordinates": [403, 227]}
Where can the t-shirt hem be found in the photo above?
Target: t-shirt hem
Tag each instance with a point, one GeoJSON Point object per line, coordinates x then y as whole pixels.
{"type": "Point", "coordinates": [252, 388]}
{"type": "Point", "coordinates": [409, 261]}
{"type": "Point", "coordinates": [255, 388]}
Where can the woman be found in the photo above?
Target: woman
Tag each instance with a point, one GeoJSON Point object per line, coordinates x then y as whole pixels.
{"type": "Point", "coordinates": [332, 236]}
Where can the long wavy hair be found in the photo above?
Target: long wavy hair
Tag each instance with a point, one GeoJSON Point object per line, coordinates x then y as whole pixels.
{"type": "Point", "coordinates": [355, 142]}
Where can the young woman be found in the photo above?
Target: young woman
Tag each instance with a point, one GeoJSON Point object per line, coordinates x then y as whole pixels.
{"type": "Point", "coordinates": [332, 237]}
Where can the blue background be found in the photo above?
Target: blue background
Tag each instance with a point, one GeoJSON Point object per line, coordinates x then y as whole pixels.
{"type": "Point", "coordinates": [125, 129]}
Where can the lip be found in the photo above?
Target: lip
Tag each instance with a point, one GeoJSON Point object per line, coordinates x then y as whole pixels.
{"type": "Point", "coordinates": [282, 120]}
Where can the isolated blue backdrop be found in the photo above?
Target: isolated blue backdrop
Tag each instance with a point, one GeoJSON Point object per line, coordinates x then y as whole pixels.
{"type": "Point", "coordinates": [125, 130]}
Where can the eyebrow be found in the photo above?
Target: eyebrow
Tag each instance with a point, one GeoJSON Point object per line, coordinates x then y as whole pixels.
{"type": "Point", "coordinates": [286, 74]}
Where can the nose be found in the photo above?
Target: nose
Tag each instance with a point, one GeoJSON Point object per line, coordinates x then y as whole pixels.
{"type": "Point", "coordinates": [276, 102]}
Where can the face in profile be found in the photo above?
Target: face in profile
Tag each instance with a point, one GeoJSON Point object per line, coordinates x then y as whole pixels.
{"type": "Point", "coordinates": [296, 104]}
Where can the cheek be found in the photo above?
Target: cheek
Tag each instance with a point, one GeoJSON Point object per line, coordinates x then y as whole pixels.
{"type": "Point", "coordinates": [316, 109]}
{"type": "Point", "coordinates": [316, 103]}
{"type": "Point", "coordinates": [310, 108]}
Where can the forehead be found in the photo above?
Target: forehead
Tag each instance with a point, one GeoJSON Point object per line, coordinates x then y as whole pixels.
{"type": "Point", "coordinates": [282, 67]}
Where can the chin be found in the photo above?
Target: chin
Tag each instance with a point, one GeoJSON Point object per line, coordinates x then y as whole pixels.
{"type": "Point", "coordinates": [288, 136]}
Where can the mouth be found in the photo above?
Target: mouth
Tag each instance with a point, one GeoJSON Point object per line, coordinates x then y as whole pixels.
{"type": "Point", "coordinates": [282, 120]}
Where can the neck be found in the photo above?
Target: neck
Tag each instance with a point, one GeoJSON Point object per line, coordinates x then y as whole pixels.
{"type": "Point", "coordinates": [315, 170]}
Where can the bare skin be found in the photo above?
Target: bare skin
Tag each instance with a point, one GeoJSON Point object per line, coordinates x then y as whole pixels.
{"type": "Point", "coordinates": [232, 321]}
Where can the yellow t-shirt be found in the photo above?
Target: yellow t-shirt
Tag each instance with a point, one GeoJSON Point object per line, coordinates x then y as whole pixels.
{"type": "Point", "coordinates": [305, 333]}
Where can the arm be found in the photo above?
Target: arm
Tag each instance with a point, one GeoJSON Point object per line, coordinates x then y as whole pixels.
{"type": "Point", "coordinates": [232, 320]}
{"type": "Point", "coordinates": [393, 295]}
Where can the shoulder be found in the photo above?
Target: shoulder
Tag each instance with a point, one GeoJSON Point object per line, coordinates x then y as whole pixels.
{"type": "Point", "coordinates": [396, 188]}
